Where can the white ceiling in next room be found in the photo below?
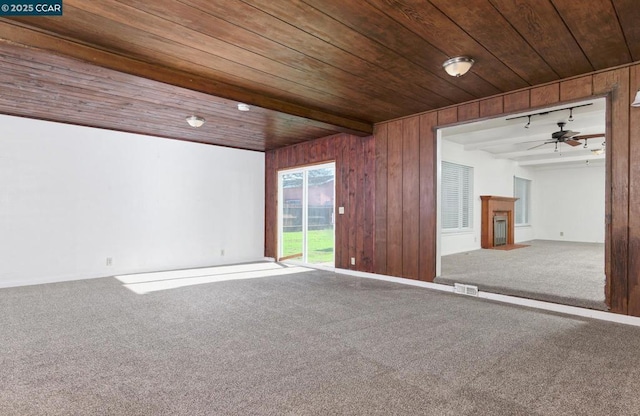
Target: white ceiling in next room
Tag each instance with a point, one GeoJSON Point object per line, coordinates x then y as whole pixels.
{"type": "Point", "coordinates": [535, 146]}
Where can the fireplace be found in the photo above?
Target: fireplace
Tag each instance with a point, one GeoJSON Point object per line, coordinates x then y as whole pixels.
{"type": "Point", "coordinates": [500, 230]}
{"type": "Point", "coordinates": [497, 221]}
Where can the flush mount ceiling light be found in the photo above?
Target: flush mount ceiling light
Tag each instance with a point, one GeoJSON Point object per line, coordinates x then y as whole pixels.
{"type": "Point", "coordinates": [636, 101]}
{"type": "Point", "coordinates": [243, 107]}
{"type": "Point", "coordinates": [458, 66]}
{"type": "Point", "coordinates": [195, 121]}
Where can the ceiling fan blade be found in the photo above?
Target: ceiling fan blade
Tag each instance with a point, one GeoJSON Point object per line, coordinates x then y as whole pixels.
{"type": "Point", "coordinates": [587, 136]}
{"type": "Point", "coordinates": [531, 141]}
{"type": "Point", "coordinates": [540, 145]}
{"type": "Point", "coordinates": [572, 142]}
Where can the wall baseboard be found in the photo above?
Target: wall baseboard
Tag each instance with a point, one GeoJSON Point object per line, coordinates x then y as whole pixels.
{"type": "Point", "coordinates": [513, 300]}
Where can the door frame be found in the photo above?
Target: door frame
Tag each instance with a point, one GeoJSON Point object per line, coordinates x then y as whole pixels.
{"type": "Point", "coordinates": [304, 169]}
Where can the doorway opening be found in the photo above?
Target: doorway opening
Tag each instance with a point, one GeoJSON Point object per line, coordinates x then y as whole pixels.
{"type": "Point", "coordinates": [551, 165]}
{"type": "Point", "coordinates": [306, 215]}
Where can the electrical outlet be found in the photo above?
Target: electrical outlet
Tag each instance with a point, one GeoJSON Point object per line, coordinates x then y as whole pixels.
{"type": "Point", "coordinates": [341, 210]}
{"type": "Point", "coordinates": [109, 261]}
{"type": "Point", "coordinates": [561, 233]}
{"type": "Point", "coordinates": [353, 261]}
{"type": "Point", "coordinates": [222, 252]}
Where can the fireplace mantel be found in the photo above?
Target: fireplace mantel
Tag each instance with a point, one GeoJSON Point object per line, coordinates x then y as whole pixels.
{"type": "Point", "coordinates": [496, 205]}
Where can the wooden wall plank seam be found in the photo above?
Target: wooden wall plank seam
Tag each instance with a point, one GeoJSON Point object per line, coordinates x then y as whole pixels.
{"type": "Point", "coordinates": [394, 202]}
{"type": "Point", "coordinates": [381, 198]}
{"type": "Point", "coordinates": [428, 209]}
{"type": "Point", "coordinates": [410, 197]}
{"type": "Point", "coordinates": [356, 195]}
{"type": "Point", "coordinates": [369, 198]}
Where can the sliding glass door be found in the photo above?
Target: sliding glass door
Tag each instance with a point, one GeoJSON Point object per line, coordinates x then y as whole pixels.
{"type": "Point", "coordinates": [306, 217]}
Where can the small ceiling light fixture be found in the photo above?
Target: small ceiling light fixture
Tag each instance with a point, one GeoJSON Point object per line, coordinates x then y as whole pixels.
{"type": "Point", "coordinates": [458, 66]}
{"type": "Point", "coordinates": [243, 107]}
{"type": "Point", "coordinates": [195, 121]}
{"type": "Point", "coordinates": [571, 114]}
{"type": "Point", "coordinates": [636, 101]}
{"type": "Point", "coordinates": [526, 126]}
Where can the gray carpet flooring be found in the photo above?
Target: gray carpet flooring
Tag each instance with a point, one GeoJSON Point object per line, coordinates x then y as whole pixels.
{"type": "Point", "coordinates": [314, 343]}
{"type": "Point", "coordinates": [554, 271]}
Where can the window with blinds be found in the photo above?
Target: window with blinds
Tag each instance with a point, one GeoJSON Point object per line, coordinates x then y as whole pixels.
{"type": "Point", "coordinates": [522, 191]}
{"type": "Point", "coordinates": [456, 197]}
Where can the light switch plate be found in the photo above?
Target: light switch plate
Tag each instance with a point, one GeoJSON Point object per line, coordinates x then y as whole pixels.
{"type": "Point", "coordinates": [340, 210]}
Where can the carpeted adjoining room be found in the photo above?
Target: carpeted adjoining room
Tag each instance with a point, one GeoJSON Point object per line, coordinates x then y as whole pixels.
{"type": "Point", "coordinates": [554, 271]}
{"type": "Point", "coordinates": [307, 343]}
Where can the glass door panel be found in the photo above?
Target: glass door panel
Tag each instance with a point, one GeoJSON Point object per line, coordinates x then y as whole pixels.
{"type": "Point", "coordinates": [291, 233]}
{"type": "Point", "coordinates": [306, 217]}
{"type": "Point", "coordinates": [320, 218]}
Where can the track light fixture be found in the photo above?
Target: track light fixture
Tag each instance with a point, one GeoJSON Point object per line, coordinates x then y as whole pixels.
{"type": "Point", "coordinates": [544, 113]}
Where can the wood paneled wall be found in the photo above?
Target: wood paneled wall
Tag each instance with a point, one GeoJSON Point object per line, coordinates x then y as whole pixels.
{"type": "Point", "coordinates": [355, 173]}
{"type": "Point", "coordinates": [390, 224]}
{"type": "Point", "coordinates": [396, 215]}
{"type": "Point", "coordinates": [405, 203]}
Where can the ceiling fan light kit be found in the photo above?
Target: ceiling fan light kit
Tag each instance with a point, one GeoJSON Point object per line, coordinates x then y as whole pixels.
{"type": "Point", "coordinates": [458, 66]}
{"type": "Point", "coordinates": [567, 137]}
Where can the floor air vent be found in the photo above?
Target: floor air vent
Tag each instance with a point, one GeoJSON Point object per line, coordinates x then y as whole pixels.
{"type": "Point", "coordinates": [465, 289]}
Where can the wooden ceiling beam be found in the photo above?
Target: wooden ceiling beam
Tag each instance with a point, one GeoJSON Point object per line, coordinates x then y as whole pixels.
{"type": "Point", "coordinates": [13, 32]}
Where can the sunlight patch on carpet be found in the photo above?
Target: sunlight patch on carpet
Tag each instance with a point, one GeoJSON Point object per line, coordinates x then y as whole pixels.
{"type": "Point", "coordinates": [152, 282]}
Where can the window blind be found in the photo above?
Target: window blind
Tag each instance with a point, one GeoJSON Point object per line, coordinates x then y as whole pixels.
{"type": "Point", "coordinates": [456, 196]}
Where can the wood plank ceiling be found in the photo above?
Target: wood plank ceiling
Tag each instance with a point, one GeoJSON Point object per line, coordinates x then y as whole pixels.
{"type": "Point", "coordinates": [309, 68]}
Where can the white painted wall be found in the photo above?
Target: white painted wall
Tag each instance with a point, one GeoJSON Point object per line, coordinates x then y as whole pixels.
{"type": "Point", "coordinates": [570, 201]}
{"type": "Point", "coordinates": [491, 177]}
{"type": "Point", "coordinates": [72, 196]}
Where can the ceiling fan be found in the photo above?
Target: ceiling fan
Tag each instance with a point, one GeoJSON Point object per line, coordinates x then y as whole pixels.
{"type": "Point", "coordinates": [567, 136]}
